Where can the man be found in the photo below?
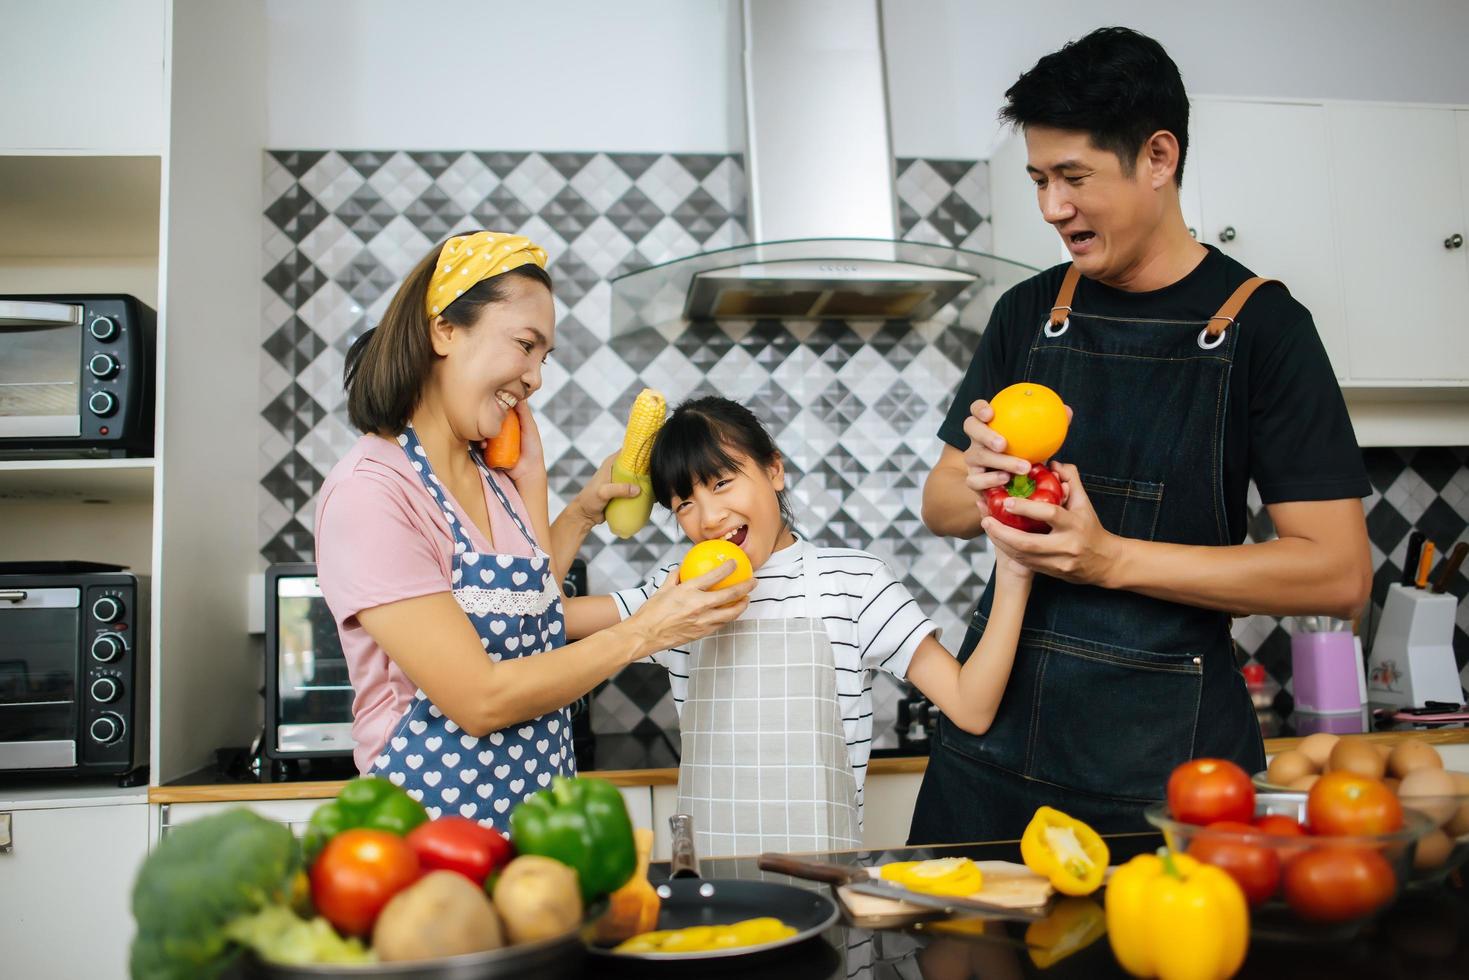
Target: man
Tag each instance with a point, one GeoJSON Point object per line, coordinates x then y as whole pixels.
{"type": "Point", "coordinates": [1187, 381]}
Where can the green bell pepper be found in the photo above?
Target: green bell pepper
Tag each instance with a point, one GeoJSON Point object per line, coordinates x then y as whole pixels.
{"type": "Point", "coordinates": [582, 823]}
{"type": "Point", "coordinates": [366, 801]}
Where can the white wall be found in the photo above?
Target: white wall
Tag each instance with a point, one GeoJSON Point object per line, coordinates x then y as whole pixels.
{"type": "Point", "coordinates": [950, 61]}
{"type": "Point", "coordinates": [635, 75]}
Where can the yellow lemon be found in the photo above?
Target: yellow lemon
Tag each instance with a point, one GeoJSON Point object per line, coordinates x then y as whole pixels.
{"type": "Point", "coordinates": [709, 555]}
{"type": "Point", "coordinates": [1032, 418]}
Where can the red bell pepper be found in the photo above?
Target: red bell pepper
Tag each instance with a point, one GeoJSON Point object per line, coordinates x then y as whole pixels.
{"type": "Point", "coordinates": [458, 844]}
{"type": "Point", "coordinates": [1040, 485]}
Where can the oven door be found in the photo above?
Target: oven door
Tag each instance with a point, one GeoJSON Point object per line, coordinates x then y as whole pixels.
{"type": "Point", "coordinates": [40, 630]}
{"type": "Point", "coordinates": [40, 370]}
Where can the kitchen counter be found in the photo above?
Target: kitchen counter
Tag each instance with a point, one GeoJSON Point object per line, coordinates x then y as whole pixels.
{"type": "Point", "coordinates": [1425, 934]}
{"type": "Point", "coordinates": [212, 785]}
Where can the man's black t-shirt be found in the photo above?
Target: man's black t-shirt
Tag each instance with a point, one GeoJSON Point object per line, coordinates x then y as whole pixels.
{"type": "Point", "coordinates": [1287, 426]}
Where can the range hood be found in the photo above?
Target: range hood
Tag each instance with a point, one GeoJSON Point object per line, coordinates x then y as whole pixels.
{"type": "Point", "coordinates": [822, 203]}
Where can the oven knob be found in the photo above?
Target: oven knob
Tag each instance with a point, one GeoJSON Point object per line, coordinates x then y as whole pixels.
{"type": "Point", "coordinates": [103, 328]}
{"type": "Point", "coordinates": [108, 727]}
{"type": "Point", "coordinates": [102, 403]}
{"type": "Point", "coordinates": [107, 609]}
{"type": "Point", "coordinates": [102, 366]}
{"type": "Point", "coordinates": [105, 689]}
{"type": "Point", "coordinates": [107, 647]}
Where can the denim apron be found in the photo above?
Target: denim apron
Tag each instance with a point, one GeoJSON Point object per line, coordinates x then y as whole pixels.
{"type": "Point", "coordinates": [1111, 689]}
{"type": "Point", "coordinates": [515, 605]}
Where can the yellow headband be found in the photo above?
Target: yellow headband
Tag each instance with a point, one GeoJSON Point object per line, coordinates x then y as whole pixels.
{"type": "Point", "coordinates": [469, 259]}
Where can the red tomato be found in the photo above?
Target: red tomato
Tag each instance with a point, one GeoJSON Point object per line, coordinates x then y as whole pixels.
{"type": "Point", "coordinates": [1041, 485]}
{"type": "Point", "coordinates": [355, 875]}
{"type": "Point", "coordinates": [457, 844]}
{"type": "Point", "coordinates": [1343, 802]}
{"type": "Point", "coordinates": [1205, 791]}
{"type": "Point", "coordinates": [1336, 884]}
{"type": "Point", "coordinates": [1239, 851]}
{"type": "Point", "coordinates": [1279, 825]}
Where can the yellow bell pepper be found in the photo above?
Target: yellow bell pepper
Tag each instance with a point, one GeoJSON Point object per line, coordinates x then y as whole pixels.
{"type": "Point", "coordinates": [1073, 925]}
{"type": "Point", "coordinates": [1175, 918]}
{"type": "Point", "coordinates": [1065, 850]}
{"type": "Point", "coordinates": [940, 876]}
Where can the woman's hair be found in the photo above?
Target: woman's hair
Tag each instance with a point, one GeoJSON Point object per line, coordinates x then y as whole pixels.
{"type": "Point", "coordinates": [389, 364]}
{"type": "Point", "coordinates": [698, 443]}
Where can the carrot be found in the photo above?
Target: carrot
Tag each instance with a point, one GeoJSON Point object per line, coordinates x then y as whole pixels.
{"type": "Point", "coordinates": [503, 449]}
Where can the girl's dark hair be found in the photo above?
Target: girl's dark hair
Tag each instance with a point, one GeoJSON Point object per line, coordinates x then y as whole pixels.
{"type": "Point", "coordinates": [698, 443]}
{"type": "Point", "coordinates": [389, 364]}
{"type": "Point", "coordinates": [1116, 85]}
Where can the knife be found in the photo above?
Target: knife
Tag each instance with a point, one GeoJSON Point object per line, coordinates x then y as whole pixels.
{"type": "Point", "coordinates": [1410, 563]}
{"type": "Point", "coordinates": [1450, 566]}
{"type": "Point", "coordinates": [1424, 563]}
{"type": "Point", "coordinates": [864, 882]}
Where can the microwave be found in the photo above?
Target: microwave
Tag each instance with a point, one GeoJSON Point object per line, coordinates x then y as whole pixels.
{"type": "Point", "coordinates": [308, 695]}
{"type": "Point", "coordinates": [73, 670]}
{"type": "Point", "coordinates": [76, 376]}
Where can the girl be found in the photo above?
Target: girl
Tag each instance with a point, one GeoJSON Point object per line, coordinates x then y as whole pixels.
{"type": "Point", "coordinates": [449, 608]}
{"type": "Point", "coordinates": [775, 709]}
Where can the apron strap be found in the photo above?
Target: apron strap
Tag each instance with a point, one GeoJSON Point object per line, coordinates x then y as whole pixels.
{"type": "Point", "coordinates": [1062, 309]}
{"type": "Point", "coordinates": [1224, 319]}
{"type": "Point", "coordinates": [484, 469]}
{"type": "Point", "coordinates": [812, 580]}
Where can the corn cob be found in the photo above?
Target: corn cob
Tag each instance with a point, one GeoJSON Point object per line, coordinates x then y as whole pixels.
{"type": "Point", "coordinates": [625, 515]}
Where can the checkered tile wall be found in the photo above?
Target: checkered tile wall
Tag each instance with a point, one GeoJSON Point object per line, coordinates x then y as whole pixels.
{"type": "Point", "coordinates": [855, 406]}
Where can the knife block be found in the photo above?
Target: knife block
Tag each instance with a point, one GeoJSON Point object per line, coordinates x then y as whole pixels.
{"type": "Point", "coordinates": [1413, 655]}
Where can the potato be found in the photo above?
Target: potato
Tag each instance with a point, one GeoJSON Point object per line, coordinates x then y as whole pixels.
{"type": "Point", "coordinates": [1433, 850]}
{"type": "Point", "coordinates": [1358, 756]}
{"type": "Point", "coordinates": [1412, 755]}
{"type": "Point", "coordinates": [1289, 766]}
{"type": "Point", "coordinates": [441, 914]}
{"type": "Point", "coordinates": [537, 898]}
{"type": "Point", "coordinates": [1317, 748]}
{"type": "Point", "coordinates": [1423, 790]}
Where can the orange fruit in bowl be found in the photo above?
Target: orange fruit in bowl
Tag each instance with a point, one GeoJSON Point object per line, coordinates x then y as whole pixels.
{"type": "Point", "coordinates": [1032, 418]}
{"type": "Point", "coordinates": [709, 555]}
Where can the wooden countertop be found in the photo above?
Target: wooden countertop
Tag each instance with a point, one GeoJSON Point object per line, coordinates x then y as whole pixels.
{"type": "Point", "coordinates": [252, 792]}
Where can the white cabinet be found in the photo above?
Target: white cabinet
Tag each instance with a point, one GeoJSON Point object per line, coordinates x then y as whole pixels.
{"type": "Point", "coordinates": [1260, 173]}
{"type": "Point", "coordinates": [66, 887]}
{"type": "Point", "coordinates": [1398, 187]}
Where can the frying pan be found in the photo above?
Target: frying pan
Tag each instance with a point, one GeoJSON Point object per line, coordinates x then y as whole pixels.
{"type": "Point", "coordinates": [689, 900]}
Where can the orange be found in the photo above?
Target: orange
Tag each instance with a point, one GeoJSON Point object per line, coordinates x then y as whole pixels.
{"type": "Point", "coordinates": [1032, 418]}
{"type": "Point", "coordinates": [709, 555]}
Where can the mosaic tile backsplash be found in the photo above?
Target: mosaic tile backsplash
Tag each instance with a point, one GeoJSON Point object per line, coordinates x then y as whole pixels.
{"type": "Point", "coordinates": [341, 229]}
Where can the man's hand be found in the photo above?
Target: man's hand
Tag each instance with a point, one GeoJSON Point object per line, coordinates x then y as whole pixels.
{"type": "Point", "coordinates": [988, 463]}
{"type": "Point", "coordinates": [1078, 549]}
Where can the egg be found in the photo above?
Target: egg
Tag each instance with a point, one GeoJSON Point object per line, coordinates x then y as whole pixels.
{"type": "Point", "coordinates": [1461, 782]}
{"type": "Point", "coordinates": [1433, 850]}
{"type": "Point", "coordinates": [1318, 748]}
{"type": "Point", "coordinates": [1303, 784]}
{"type": "Point", "coordinates": [1458, 825]}
{"type": "Point", "coordinates": [1358, 756]}
{"type": "Point", "coordinates": [1412, 755]}
{"type": "Point", "coordinates": [1429, 791]}
{"type": "Point", "coordinates": [1392, 784]}
{"type": "Point", "coordinates": [1287, 767]}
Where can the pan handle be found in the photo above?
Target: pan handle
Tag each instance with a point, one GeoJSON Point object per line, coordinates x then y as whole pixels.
{"type": "Point", "coordinates": [685, 860]}
{"type": "Point", "coordinates": [829, 872]}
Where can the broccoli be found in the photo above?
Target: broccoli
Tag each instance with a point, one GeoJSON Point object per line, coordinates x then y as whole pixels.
{"type": "Point", "coordinates": [201, 878]}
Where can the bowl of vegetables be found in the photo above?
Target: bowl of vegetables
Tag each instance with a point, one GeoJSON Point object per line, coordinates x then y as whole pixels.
{"type": "Point", "coordinates": [1310, 864]}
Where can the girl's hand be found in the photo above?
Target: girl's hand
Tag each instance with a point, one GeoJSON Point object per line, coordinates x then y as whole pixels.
{"type": "Point", "coordinates": [531, 466]}
{"type": "Point", "coordinates": [591, 501]}
{"type": "Point", "coordinates": [681, 612]}
{"type": "Point", "coordinates": [1008, 569]}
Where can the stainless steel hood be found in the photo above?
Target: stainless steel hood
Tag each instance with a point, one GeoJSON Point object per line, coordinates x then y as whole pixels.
{"type": "Point", "coordinates": [822, 200]}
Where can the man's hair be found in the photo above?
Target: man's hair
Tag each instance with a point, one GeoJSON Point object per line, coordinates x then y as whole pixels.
{"type": "Point", "coordinates": [1116, 85]}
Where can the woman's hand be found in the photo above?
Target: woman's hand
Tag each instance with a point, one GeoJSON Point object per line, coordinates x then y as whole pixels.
{"type": "Point", "coordinates": [590, 504]}
{"type": "Point", "coordinates": [530, 468]}
{"type": "Point", "coordinates": [681, 612]}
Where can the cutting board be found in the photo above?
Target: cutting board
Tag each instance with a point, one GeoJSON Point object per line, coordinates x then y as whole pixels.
{"type": "Point", "coordinates": [1005, 883]}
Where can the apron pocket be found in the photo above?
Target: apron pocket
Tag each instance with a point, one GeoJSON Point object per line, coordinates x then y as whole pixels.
{"type": "Point", "coordinates": [1125, 507]}
{"type": "Point", "coordinates": [1112, 721]}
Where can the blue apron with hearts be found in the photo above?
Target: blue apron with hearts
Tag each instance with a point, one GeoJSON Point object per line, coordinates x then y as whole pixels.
{"type": "Point", "coordinates": [515, 605]}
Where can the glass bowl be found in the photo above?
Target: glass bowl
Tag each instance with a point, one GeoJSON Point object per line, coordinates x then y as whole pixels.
{"type": "Point", "coordinates": [1273, 916]}
{"type": "Point", "coordinates": [1434, 857]}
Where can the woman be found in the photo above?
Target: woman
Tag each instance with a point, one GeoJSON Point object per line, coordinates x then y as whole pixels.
{"type": "Point", "coordinates": [449, 608]}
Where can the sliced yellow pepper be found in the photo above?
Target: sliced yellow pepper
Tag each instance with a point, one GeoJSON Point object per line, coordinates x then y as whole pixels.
{"type": "Point", "coordinates": [940, 876]}
{"type": "Point", "coordinates": [1175, 918]}
{"type": "Point", "coordinates": [1073, 925]}
{"type": "Point", "coordinates": [1064, 850]}
{"type": "Point", "coordinates": [699, 939]}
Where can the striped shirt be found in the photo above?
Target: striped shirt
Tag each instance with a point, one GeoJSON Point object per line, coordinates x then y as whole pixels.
{"type": "Point", "coordinates": [873, 621]}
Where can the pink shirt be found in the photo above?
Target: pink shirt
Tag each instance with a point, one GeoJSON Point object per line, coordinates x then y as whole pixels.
{"type": "Point", "coordinates": [380, 538]}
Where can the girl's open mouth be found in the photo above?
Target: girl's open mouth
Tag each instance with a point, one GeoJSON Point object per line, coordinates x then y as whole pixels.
{"type": "Point", "coordinates": [737, 536]}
